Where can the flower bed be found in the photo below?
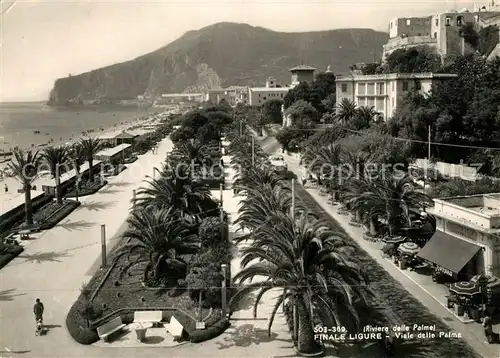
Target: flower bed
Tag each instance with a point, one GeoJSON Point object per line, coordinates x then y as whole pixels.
{"type": "Point", "coordinates": [51, 214]}
{"type": "Point", "coordinates": [87, 188]}
{"type": "Point", "coordinates": [15, 217]}
{"type": "Point", "coordinates": [118, 293]}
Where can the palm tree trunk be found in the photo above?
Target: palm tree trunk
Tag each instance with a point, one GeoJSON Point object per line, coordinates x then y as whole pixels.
{"type": "Point", "coordinates": [373, 229]}
{"type": "Point", "coordinates": [77, 182]}
{"type": "Point", "coordinates": [200, 297]}
{"type": "Point", "coordinates": [306, 342]}
{"type": "Point", "coordinates": [295, 321]}
{"type": "Point", "coordinates": [58, 185]}
{"type": "Point", "coordinates": [28, 205]}
{"type": "Point", "coordinates": [91, 176]}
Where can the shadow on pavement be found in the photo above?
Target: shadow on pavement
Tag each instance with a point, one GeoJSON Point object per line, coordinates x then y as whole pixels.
{"type": "Point", "coordinates": [8, 295]}
{"type": "Point", "coordinates": [14, 352]}
{"type": "Point", "coordinates": [246, 303]}
{"type": "Point", "coordinates": [77, 225]}
{"type": "Point", "coordinates": [39, 257]}
{"type": "Point", "coordinates": [98, 205]}
{"type": "Point", "coordinates": [154, 340]}
{"type": "Point", "coordinates": [245, 336]}
{"type": "Point", "coordinates": [111, 191]}
{"type": "Point", "coordinates": [120, 184]}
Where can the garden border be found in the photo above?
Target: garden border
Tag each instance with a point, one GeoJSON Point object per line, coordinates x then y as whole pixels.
{"type": "Point", "coordinates": [93, 190]}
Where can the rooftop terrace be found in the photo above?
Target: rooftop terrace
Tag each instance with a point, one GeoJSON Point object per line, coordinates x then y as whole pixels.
{"type": "Point", "coordinates": [481, 211]}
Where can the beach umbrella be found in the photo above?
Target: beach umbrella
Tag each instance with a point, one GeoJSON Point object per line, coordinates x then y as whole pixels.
{"type": "Point", "coordinates": [465, 288]}
{"type": "Point", "coordinates": [486, 280]}
{"type": "Point", "coordinates": [395, 240]}
{"type": "Point", "coordinates": [409, 248]}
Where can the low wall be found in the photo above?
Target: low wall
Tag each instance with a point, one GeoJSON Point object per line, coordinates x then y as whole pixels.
{"type": "Point", "coordinates": [461, 171]}
{"type": "Point", "coordinates": [8, 219]}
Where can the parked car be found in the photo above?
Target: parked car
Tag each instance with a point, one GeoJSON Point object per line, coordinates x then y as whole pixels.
{"type": "Point", "coordinates": [278, 163]}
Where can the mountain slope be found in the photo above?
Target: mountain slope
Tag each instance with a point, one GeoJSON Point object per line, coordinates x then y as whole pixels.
{"type": "Point", "coordinates": [222, 54]}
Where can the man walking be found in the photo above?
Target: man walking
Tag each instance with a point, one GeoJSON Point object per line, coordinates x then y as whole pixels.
{"type": "Point", "coordinates": [38, 310]}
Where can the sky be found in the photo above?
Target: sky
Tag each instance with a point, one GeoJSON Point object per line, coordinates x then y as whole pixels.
{"type": "Point", "coordinates": [42, 40]}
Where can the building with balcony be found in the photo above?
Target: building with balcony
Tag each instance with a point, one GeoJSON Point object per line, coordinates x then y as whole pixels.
{"type": "Point", "coordinates": [384, 91]}
{"type": "Point", "coordinates": [440, 31]}
{"type": "Point", "coordinates": [467, 238]}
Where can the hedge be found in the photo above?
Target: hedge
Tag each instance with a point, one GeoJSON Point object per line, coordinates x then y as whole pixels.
{"type": "Point", "coordinates": [12, 217]}
{"type": "Point", "coordinates": [59, 215]}
{"type": "Point", "coordinates": [87, 191]}
{"type": "Point", "coordinates": [215, 330]}
{"type": "Point", "coordinates": [77, 324]}
{"type": "Point", "coordinates": [8, 256]}
{"type": "Point", "coordinates": [130, 160]}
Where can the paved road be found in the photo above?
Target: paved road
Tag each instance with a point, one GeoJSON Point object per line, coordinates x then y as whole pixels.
{"type": "Point", "coordinates": [472, 333]}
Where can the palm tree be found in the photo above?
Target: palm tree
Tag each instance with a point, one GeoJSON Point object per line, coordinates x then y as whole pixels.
{"type": "Point", "coordinates": [304, 260]}
{"type": "Point", "coordinates": [255, 177]}
{"type": "Point", "coordinates": [365, 116]}
{"type": "Point", "coordinates": [261, 200]}
{"type": "Point", "coordinates": [90, 147]}
{"type": "Point", "coordinates": [346, 110]}
{"type": "Point", "coordinates": [56, 157]}
{"type": "Point", "coordinates": [159, 239]}
{"type": "Point", "coordinates": [390, 198]}
{"type": "Point", "coordinates": [178, 189]}
{"type": "Point", "coordinates": [25, 168]}
{"type": "Point", "coordinates": [324, 161]}
{"type": "Point", "coordinates": [77, 157]}
{"type": "Point", "coordinates": [189, 152]}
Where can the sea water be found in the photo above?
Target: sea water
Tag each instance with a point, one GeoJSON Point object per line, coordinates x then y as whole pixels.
{"type": "Point", "coordinates": [33, 125]}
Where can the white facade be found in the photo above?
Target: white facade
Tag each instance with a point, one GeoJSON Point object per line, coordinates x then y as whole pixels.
{"type": "Point", "coordinates": [258, 95]}
{"type": "Point", "coordinates": [384, 91]}
{"type": "Point", "coordinates": [474, 219]}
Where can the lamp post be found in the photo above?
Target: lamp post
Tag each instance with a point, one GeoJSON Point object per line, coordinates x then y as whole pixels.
{"type": "Point", "coordinates": [103, 246]}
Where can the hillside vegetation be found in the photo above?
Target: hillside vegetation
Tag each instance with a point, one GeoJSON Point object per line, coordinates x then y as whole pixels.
{"type": "Point", "coordinates": [221, 54]}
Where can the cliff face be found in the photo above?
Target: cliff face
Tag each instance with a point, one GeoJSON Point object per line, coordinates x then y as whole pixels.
{"type": "Point", "coordinates": [222, 54]}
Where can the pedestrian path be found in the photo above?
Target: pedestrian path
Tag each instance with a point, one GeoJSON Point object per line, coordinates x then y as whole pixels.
{"type": "Point", "coordinates": [56, 263]}
{"type": "Point", "coordinates": [417, 285]}
{"type": "Point", "coordinates": [247, 331]}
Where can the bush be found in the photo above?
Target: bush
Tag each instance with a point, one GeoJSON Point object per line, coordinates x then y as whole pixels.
{"type": "Point", "coordinates": [209, 232]}
{"type": "Point", "coordinates": [89, 189]}
{"type": "Point", "coordinates": [53, 220]}
{"type": "Point", "coordinates": [77, 322]}
{"type": "Point", "coordinates": [13, 217]}
{"type": "Point", "coordinates": [205, 276]}
{"type": "Point", "coordinates": [210, 332]}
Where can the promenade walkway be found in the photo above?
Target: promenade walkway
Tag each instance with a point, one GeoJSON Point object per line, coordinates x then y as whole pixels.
{"type": "Point", "coordinates": [248, 336]}
{"type": "Point", "coordinates": [55, 264]}
{"type": "Point", "coordinates": [418, 285]}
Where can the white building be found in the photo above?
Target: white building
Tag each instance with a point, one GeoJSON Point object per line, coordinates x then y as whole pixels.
{"type": "Point", "coordinates": [258, 95]}
{"type": "Point", "coordinates": [467, 240]}
{"type": "Point", "coordinates": [385, 91]}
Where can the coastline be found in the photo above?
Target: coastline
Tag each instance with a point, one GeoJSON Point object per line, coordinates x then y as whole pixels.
{"type": "Point", "coordinates": [103, 131]}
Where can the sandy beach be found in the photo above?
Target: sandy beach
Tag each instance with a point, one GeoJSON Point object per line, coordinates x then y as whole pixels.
{"type": "Point", "coordinates": [10, 196]}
